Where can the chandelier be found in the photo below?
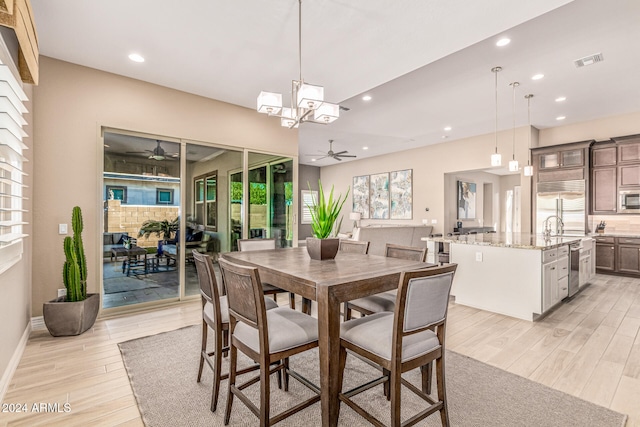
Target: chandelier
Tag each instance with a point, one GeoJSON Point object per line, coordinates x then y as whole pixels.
{"type": "Point", "coordinates": [307, 100]}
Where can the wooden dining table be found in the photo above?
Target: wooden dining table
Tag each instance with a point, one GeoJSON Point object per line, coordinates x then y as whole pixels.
{"type": "Point", "coordinates": [329, 283]}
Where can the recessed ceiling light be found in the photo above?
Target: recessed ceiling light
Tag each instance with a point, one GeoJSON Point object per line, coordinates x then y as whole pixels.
{"type": "Point", "coordinates": [366, 98]}
{"type": "Point", "coordinates": [313, 160]}
{"type": "Point", "coordinates": [503, 42]}
{"type": "Point", "coordinates": [448, 128]}
{"type": "Point", "coordinates": [136, 58]}
{"type": "Point", "coordinates": [365, 148]}
{"type": "Point", "coordinates": [560, 118]}
{"type": "Point", "coordinates": [537, 77]}
{"type": "Point", "coordinates": [561, 98]}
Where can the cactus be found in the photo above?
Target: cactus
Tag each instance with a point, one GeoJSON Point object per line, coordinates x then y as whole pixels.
{"type": "Point", "coordinates": [74, 272]}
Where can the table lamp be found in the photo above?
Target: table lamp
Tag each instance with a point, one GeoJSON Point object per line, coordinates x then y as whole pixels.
{"type": "Point", "coordinates": [355, 217]}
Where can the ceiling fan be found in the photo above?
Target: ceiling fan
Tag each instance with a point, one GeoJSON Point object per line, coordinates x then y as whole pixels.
{"type": "Point", "coordinates": [157, 153]}
{"type": "Point", "coordinates": [337, 156]}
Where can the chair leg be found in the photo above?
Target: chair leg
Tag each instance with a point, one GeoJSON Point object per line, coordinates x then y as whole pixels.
{"type": "Point", "coordinates": [225, 342]}
{"type": "Point", "coordinates": [265, 392]}
{"type": "Point", "coordinates": [396, 397]}
{"type": "Point", "coordinates": [292, 300]}
{"type": "Point", "coordinates": [286, 373]}
{"type": "Point", "coordinates": [427, 377]}
{"type": "Point", "coordinates": [442, 394]}
{"type": "Point", "coordinates": [203, 348]}
{"type": "Point", "coordinates": [233, 360]}
{"type": "Point", "coordinates": [387, 384]}
{"type": "Point", "coordinates": [342, 362]}
{"type": "Point", "coordinates": [306, 306]}
{"type": "Point", "coordinates": [216, 372]}
{"type": "Point", "coordinates": [347, 312]}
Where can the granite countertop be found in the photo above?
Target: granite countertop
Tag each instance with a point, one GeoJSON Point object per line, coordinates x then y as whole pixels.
{"type": "Point", "coordinates": [509, 240]}
{"type": "Point", "coordinates": [617, 234]}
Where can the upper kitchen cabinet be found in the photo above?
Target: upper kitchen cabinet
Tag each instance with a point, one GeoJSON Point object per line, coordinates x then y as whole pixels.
{"type": "Point", "coordinates": [604, 185]}
{"type": "Point", "coordinates": [561, 162]}
{"type": "Point", "coordinates": [628, 149]}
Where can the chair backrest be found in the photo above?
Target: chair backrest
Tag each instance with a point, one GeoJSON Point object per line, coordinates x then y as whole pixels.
{"type": "Point", "coordinates": [256, 244]}
{"type": "Point", "coordinates": [354, 246]}
{"type": "Point", "coordinates": [406, 252]}
{"type": "Point", "coordinates": [244, 293]}
{"type": "Point", "coordinates": [422, 303]}
{"type": "Point", "coordinates": [209, 289]}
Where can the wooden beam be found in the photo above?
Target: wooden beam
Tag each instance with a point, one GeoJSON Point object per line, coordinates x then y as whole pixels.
{"type": "Point", "coordinates": [19, 16]}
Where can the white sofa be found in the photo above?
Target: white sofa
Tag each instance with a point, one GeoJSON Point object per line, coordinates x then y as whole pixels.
{"type": "Point", "coordinates": [379, 236]}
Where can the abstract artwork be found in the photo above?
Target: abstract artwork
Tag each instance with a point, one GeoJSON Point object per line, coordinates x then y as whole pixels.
{"type": "Point", "coordinates": [466, 200]}
{"type": "Point", "coordinates": [401, 194]}
{"type": "Point", "coordinates": [361, 195]}
{"type": "Point", "coordinates": [379, 196]}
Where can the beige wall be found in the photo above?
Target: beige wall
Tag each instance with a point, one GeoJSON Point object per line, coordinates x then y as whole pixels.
{"type": "Point", "coordinates": [600, 129]}
{"type": "Point", "coordinates": [71, 104]}
{"type": "Point", "coordinates": [429, 165]}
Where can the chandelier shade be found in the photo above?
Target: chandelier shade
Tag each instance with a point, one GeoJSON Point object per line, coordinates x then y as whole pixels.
{"type": "Point", "coordinates": [528, 170]}
{"type": "Point", "coordinates": [496, 158]}
{"type": "Point", "coordinates": [307, 100]}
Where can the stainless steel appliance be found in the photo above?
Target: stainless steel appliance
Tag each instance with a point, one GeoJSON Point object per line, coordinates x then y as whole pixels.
{"type": "Point", "coordinates": [565, 200]}
{"type": "Point", "coordinates": [629, 201]}
{"type": "Point", "coordinates": [574, 271]}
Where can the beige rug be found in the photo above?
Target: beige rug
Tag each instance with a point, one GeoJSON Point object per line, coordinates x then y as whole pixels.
{"type": "Point", "coordinates": [163, 369]}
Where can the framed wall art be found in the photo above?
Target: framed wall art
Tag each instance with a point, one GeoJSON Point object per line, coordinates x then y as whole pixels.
{"type": "Point", "coordinates": [379, 196]}
{"type": "Point", "coordinates": [401, 194]}
{"type": "Point", "coordinates": [360, 195]}
{"type": "Point", "coordinates": [466, 200]}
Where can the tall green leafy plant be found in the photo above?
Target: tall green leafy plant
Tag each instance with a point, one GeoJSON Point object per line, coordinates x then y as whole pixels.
{"type": "Point", "coordinates": [164, 228]}
{"type": "Point", "coordinates": [74, 272]}
{"type": "Point", "coordinates": [325, 213]}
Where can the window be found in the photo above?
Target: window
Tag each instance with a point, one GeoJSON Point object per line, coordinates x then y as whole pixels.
{"type": "Point", "coordinates": [205, 200]}
{"type": "Point", "coordinates": [164, 196]}
{"type": "Point", "coordinates": [11, 174]}
{"type": "Point", "coordinates": [115, 192]}
{"type": "Point", "coordinates": [308, 199]}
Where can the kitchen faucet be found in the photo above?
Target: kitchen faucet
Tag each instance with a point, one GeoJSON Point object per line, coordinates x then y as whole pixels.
{"type": "Point", "coordinates": [559, 224]}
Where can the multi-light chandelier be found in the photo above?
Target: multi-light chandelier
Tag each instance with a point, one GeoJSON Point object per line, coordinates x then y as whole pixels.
{"type": "Point", "coordinates": [307, 101]}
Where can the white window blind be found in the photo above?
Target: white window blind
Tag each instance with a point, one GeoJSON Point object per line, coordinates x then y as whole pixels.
{"type": "Point", "coordinates": [309, 198]}
{"type": "Point", "coordinates": [11, 168]}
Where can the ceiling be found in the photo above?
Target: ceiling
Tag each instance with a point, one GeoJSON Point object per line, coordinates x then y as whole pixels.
{"type": "Point", "coordinates": [426, 63]}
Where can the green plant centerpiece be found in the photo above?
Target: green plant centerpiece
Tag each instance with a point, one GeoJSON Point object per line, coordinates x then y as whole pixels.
{"type": "Point", "coordinates": [75, 312]}
{"type": "Point", "coordinates": [325, 224]}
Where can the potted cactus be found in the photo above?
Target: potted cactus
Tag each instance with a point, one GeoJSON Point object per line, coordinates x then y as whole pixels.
{"type": "Point", "coordinates": [325, 225]}
{"type": "Point", "coordinates": [75, 312]}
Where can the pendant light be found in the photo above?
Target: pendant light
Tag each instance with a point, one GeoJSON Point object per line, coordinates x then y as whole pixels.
{"type": "Point", "coordinates": [513, 163]}
{"type": "Point", "coordinates": [528, 170]}
{"type": "Point", "coordinates": [496, 158]}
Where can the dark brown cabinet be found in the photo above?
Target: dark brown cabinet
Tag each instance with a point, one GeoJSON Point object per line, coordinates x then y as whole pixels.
{"type": "Point", "coordinates": [606, 256]}
{"type": "Point", "coordinates": [605, 156]}
{"type": "Point", "coordinates": [629, 151]}
{"type": "Point", "coordinates": [604, 190]}
{"type": "Point", "coordinates": [628, 258]}
{"type": "Point", "coordinates": [629, 176]}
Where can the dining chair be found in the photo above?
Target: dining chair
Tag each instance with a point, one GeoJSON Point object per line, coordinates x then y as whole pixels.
{"type": "Point", "coordinates": [411, 337]}
{"type": "Point", "coordinates": [260, 244]}
{"type": "Point", "coordinates": [354, 246]}
{"type": "Point", "coordinates": [268, 337]}
{"type": "Point", "coordinates": [384, 301]}
{"type": "Point", "coordinates": [215, 315]}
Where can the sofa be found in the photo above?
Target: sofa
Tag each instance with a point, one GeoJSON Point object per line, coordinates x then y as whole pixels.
{"type": "Point", "coordinates": [112, 240]}
{"type": "Point", "coordinates": [379, 236]}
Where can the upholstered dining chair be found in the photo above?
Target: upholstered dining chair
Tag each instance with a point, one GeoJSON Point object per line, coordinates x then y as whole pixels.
{"type": "Point", "coordinates": [354, 246]}
{"type": "Point", "coordinates": [261, 245]}
{"type": "Point", "coordinates": [268, 337]}
{"type": "Point", "coordinates": [412, 336]}
{"type": "Point", "coordinates": [384, 301]}
{"type": "Point", "coordinates": [215, 315]}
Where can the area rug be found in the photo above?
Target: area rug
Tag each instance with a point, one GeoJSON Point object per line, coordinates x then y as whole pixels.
{"type": "Point", "coordinates": [163, 369]}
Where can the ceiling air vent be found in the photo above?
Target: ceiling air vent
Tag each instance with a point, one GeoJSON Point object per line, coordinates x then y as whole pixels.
{"type": "Point", "coordinates": [588, 60]}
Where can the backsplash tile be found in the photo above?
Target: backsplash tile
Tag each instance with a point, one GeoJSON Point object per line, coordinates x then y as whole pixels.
{"type": "Point", "coordinates": [616, 223]}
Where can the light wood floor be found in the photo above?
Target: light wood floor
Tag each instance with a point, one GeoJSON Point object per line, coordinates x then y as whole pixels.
{"type": "Point", "coordinates": [589, 347]}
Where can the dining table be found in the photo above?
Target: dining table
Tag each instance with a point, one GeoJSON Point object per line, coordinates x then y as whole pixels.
{"type": "Point", "coordinates": [329, 283]}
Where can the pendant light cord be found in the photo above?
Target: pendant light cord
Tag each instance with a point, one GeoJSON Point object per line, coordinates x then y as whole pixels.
{"type": "Point", "coordinates": [495, 71]}
{"type": "Point", "coordinates": [529, 96]}
{"type": "Point", "coordinates": [300, 37]}
{"type": "Point", "coordinates": [513, 155]}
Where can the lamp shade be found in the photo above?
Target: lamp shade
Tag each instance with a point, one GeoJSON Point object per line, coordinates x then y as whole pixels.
{"type": "Point", "coordinates": [310, 96]}
{"type": "Point", "coordinates": [288, 119]}
{"type": "Point", "coordinates": [355, 216]}
{"type": "Point", "coordinates": [326, 112]}
{"type": "Point", "coordinates": [496, 159]}
{"type": "Point", "coordinates": [513, 165]}
{"type": "Point", "coordinates": [269, 102]}
{"type": "Point", "coordinates": [528, 170]}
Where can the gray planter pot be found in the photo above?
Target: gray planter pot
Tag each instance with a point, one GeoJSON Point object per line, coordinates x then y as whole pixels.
{"type": "Point", "coordinates": [322, 249]}
{"type": "Point", "coordinates": [64, 318]}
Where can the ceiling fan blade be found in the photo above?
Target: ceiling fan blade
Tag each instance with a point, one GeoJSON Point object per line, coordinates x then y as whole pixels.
{"type": "Point", "coordinates": [337, 158]}
{"type": "Point", "coordinates": [347, 155]}
{"type": "Point", "coordinates": [341, 152]}
{"type": "Point", "coordinates": [323, 157]}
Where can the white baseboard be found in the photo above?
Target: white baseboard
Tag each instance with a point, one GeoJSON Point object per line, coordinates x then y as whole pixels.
{"type": "Point", "coordinates": [13, 363]}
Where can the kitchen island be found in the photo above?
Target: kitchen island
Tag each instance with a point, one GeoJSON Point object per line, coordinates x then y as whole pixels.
{"type": "Point", "coordinates": [517, 274]}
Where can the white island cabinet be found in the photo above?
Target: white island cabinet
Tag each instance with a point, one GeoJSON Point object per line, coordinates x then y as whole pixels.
{"type": "Point", "coordinates": [516, 274]}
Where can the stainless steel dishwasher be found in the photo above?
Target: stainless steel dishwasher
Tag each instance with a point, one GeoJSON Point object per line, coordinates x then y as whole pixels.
{"type": "Point", "coordinates": [574, 272]}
